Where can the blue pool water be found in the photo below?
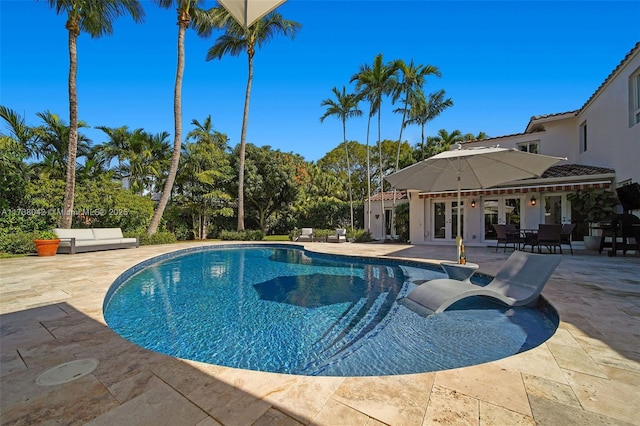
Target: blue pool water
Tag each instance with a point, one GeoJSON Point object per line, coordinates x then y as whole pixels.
{"type": "Point", "coordinates": [281, 309]}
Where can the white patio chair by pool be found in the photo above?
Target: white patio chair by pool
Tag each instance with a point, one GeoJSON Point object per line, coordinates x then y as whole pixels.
{"type": "Point", "coordinates": [339, 237]}
{"type": "Point", "coordinates": [306, 234]}
{"type": "Point", "coordinates": [519, 282]}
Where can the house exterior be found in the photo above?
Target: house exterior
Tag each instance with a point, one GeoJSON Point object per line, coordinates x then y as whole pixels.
{"type": "Point", "coordinates": [601, 142]}
{"type": "Point", "coordinates": [382, 223]}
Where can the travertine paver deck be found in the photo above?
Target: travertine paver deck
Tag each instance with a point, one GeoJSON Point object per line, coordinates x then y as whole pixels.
{"type": "Point", "coordinates": [588, 373]}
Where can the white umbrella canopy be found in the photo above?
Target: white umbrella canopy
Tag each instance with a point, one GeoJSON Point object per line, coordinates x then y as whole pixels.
{"type": "Point", "coordinates": [474, 168]}
{"type": "Point", "coordinates": [246, 12]}
{"type": "Point", "coordinates": [477, 168]}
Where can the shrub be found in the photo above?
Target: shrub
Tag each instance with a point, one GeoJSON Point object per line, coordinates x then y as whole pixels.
{"type": "Point", "coordinates": [246, 235]}
{"type": "Point", "coordinates": [18, 243]}
{"type": "Point", "coordinates": [360, 235]}
{"type": "Point", "coordinates": [161, 237]}
{"type": "Point", "coordinates": [322, 234]}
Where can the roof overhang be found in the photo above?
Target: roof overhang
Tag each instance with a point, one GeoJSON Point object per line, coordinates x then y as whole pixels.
{"type": "Point", "coordinates": [549, 118]}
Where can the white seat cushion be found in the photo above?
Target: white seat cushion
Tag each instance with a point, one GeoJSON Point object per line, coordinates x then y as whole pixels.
{"type": "Point", "coordinates": [107, 233]}
{"type": "Point", "coordinates": [78, 234]}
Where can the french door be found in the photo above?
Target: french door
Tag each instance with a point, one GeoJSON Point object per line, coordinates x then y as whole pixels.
{"type": "Point", "coordinates": [501, 210]}
{"type": "Point", "coordinates": [555, 209]}
{"type": "Point", "coordinates": [444, 220]}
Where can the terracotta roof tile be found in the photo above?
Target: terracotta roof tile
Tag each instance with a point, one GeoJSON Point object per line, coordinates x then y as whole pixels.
{"type": "Point", "coordinates": [388, 196]}
{"type": "Point", "coordinates": [571, 170]}
{"type": "Point", "coordinates": [610, 76]}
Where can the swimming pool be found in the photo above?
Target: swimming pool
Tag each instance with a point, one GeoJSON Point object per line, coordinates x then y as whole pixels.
{"type": "Point", "coordinates": [282, 309]}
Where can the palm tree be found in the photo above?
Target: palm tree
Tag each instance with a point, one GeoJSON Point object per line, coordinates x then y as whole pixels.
{"type": "Point", "coordinates": [413, 78]}
{"type": "Point", "coordinates": [116, 147]}
{"type": "Point", "coordinates": [148, 161]}
{"type": "Point", "coordinates": [424, 110]}
{"type": "Point", "coordinates": [189, 14]}
{"type": "Point", "coordinates": [472, 137]}
{"type": "Point", "coordinates": [53, 146]}
{"type": "Point", "coordinates": [235, 40]}
{"type": "Point", "coordinates": [16, 146]}
{"type": "Point", "coordinates": [95, 18]}
{"type": "Point", "coordinates": [374, 82]}
{"type": "Point", "coordinates": [447, 139]}
{"type": "Point", "coordinates": [345, 106]}
{"type": "Point", "coordinates": [204, 133]}
{"type": "Point", "coordinates": [23, 137]}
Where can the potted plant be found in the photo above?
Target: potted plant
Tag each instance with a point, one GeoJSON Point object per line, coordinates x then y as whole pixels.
{"type": "Point", "coordinates": [46, 243]}
{"type": "Point", "coordinates": [594, 205]}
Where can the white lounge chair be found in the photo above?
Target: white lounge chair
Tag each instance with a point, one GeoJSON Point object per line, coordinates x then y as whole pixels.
{"type": "Point", "coordinates": [519, 282]}
{"type": "Point", "coordinates": [306, 234]}
{"type": "Point", "coordinates": [339, 237]}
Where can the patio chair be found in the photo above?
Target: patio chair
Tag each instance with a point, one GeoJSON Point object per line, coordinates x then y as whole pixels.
{"type": "Point", "coordinates": [339, 237]}
{"type": "Point", "coordinates": [549, 236]}
{"type": "Point", "coordinates": [519, 282]}
{"type": "Point", "coordinates": [530, 238]}
{"type": "Point", "coordinates": [566, 234]}
{"type": "Point", "coordinates": [306, 234]}
{"type": "Point", "coordinates": [507, 235]}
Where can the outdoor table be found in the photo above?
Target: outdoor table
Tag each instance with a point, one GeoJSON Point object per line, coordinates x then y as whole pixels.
{"type": "Point", "coordinates": [457, 271]}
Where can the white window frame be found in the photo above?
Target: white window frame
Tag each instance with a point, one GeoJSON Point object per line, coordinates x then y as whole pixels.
{"type": "Point", "coordinates": [526, 147]}
{"type": "Point", "coordinates": [583, 137]}
{"type": "Point", "coordinates": [634, 98]}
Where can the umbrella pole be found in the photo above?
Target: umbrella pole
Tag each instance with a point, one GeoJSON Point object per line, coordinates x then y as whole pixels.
{"type": "Point", "coordinates": [458, 236]}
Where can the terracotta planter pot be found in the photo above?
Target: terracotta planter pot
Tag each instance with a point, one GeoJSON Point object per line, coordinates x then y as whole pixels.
{"type": "Point", "coordinates": [47, 247]}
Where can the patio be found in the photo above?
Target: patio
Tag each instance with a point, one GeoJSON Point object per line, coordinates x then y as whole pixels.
{"type": "Point", "coordinates": [588, 373]}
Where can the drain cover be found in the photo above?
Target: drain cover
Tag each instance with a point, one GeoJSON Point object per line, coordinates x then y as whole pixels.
{"type": "Point", "coordinates": [67, 372]}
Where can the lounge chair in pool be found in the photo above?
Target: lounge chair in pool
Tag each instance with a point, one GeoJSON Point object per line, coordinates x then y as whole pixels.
{"type": "Point", "coordinates": [519, 282]}
{"type": "Point", "coordinates": [339, 237]}
{"type": "Point", "coordinates": [306, 234]}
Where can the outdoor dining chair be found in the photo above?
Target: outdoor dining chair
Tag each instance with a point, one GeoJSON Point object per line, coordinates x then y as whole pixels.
{"type": "Point", "coordinates": [566, 234]}
{"type": "Point", "coordinates": [507, 234]}
{"type": "Point", "coordinates": [549, 236]}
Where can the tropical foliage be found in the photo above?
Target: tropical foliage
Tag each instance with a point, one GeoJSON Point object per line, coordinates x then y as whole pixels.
{"type": "Point", "coordinates": [208, 188]}
{"type": "Point", "coordinates": [235, 40]}
{"type": "Point", "coordinates": [93, 17]}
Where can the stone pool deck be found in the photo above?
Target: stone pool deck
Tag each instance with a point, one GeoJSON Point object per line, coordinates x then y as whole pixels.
{"type": "Point", "coordinates": [588, 373]}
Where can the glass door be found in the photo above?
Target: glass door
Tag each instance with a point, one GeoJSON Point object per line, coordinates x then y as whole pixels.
{"type": "Point", "coordinates": [555, 209]}
{"type": "Point", "coordinates": [501, 210]}
{"type": "Point", "coordinates": [444, 220]}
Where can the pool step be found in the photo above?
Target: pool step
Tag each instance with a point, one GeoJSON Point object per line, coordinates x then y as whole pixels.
{"type": "Point", "coordinates": [334, 343]}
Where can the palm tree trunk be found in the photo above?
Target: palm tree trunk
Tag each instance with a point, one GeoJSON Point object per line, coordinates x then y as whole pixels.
{"type": "Point", "coordinates": [404, 117]}
{"type": "Point", "coordinates": [69, 191]}
{"type": "Point", "coordinates": [368, 177]}
{"type": "Point", "coordinates": [243, 139]}
{"type": "Point", "coordinates": [346, 152]}
{"type": "Point", "coordinates": [177, 117]}
{"type": "Point", "coordinates": [422, 135]}
{"type": "Point", "coordinates": [384, 227]}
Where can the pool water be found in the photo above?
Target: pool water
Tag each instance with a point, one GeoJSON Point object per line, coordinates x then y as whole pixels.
{"type": "Point", "coordinates": [282, 309]}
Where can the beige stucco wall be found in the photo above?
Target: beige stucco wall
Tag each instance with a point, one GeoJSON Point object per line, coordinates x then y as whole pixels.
{"type": "Point", "coordinates": [611, 141]}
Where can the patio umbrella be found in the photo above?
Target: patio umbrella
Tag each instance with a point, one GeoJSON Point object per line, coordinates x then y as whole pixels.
{"type": "Point", "coordinates": [476, 168]}
{"type": "Point", "coordinates": [246, 12]}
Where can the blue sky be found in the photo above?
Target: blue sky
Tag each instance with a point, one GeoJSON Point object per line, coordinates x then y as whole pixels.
{"type": "Point", "coordinates": [501, 63]}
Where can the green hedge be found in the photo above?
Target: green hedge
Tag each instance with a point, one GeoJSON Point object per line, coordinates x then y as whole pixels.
{"type": "Point", "coordinates": [18, 243]}
{"type": "Point", "coordinates": [160, 237]}
{"type": "Point", "coordinates": [246, 235]}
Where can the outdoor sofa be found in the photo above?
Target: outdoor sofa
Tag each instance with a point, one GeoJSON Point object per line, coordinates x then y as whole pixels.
{"type": "Point", "coordinates": [74, 241]}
